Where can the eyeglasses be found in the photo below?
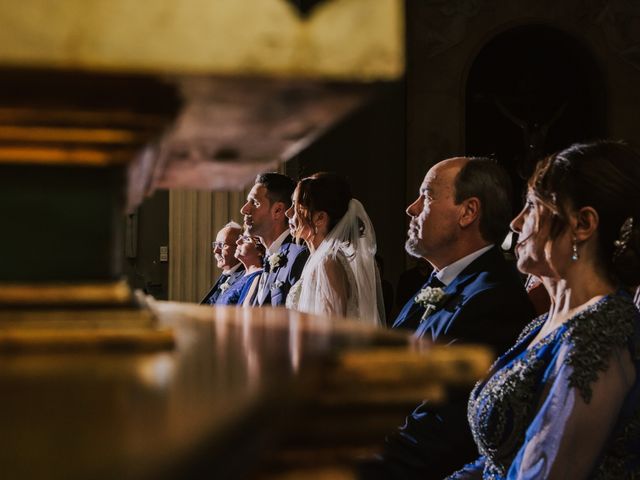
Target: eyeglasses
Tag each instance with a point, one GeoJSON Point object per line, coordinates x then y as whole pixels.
{"type": "Point", "coordinates": [219, 245]}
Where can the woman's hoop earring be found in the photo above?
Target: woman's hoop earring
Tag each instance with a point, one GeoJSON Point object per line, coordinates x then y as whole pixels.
{"type": "Point", "coordinates": [574, 250]}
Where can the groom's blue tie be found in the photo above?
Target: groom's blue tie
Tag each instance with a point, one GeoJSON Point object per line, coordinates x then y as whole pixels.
{"type": "Point", "coordinates": [433, 281]}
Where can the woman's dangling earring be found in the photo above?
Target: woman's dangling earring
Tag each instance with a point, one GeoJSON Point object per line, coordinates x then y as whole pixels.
{"type": "Point", "coordinates": [574, 250]}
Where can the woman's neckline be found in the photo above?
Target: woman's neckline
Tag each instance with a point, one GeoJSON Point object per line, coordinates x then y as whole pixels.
{"type": "Point", "coordinates": [588, 307]}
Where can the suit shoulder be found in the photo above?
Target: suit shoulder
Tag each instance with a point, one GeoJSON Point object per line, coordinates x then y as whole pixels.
{"type": "Point", "coordinates": [493, 314]}
{"type": "Point", "coordinates": [296, 251]}
{"type": "Point", "coordinates": [490, 294]}
{"type": "Point", "coordinates": [504, 278]}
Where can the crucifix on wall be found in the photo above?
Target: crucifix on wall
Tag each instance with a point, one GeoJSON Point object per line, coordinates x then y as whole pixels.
{"type": "Point", "coordinates": [534, 132]}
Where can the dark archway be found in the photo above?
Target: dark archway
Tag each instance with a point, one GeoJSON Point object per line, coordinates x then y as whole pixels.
{"type": "Point", "coordinates": [532, 90]}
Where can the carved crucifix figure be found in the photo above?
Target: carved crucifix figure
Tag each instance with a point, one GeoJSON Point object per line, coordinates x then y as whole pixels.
{"type": "Point", "coordinates": [534, 134]}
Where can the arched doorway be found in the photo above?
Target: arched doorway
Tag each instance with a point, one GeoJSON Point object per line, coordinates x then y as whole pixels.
{"type": "Point", "coordinates": [532, 90]}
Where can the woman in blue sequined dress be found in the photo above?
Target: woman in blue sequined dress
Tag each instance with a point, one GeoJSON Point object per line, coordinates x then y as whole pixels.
{"type": "Point", "coordinates": [564, 401]}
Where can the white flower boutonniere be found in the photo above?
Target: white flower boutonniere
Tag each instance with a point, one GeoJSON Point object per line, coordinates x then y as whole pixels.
{"type": "Point", "coordinates": [430, 298]}
{"type": "Point", "coordinates": [275, 260]}
{"type": "Point", "coordinates": [225, 286]}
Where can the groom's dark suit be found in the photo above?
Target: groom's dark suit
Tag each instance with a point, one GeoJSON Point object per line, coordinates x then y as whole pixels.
{"type": "Point", "coordinates": [279, 279]}
{"type": "Point", "coordinates": [485, 303]}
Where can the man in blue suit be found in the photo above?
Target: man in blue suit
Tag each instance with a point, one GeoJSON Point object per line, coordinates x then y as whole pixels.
{"type": "Point", "coordinates": [224, 249]}
{"type": "Point", "coordinates": [474, 295]}
{"type": "Point", "coordinates": [457, 223]}
{"type": "Point", "coordinates": [264, 216]}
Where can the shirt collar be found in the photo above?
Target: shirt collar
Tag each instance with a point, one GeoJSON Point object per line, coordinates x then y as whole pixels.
{"type": "Point", "coordinates": [232, 269]}
{"type": "Point", "coordinates": [277, 243]}
{"type": "Point", "coordinates": [447, 274]}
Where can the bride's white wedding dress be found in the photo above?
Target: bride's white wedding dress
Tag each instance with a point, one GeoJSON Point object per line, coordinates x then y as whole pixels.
{"type": "Point", "coordinates": [341, 277]}
{"type": "Point", "coordinates": [332, 301]}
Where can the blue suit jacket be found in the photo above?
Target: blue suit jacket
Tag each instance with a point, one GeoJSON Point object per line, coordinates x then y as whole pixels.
{"type": "Point", "coordinates": [238, 290]}
{"type": "Point", "coordinates": [213, 294]}
{"type": "Point", "coordinates": [280, 279]}
{"type": "Point", "coordinates": [486, 303]}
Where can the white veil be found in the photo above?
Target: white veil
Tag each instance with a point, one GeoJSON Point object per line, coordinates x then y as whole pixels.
{"type": "Point", "coordinates": [352, 242]}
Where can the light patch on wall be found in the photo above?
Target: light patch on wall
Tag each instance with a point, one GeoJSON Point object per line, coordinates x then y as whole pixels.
{"type": "Point", "coordinates": [340, 39]}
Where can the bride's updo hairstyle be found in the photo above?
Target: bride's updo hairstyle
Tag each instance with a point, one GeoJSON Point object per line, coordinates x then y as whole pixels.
{"type": "Point", "coordinates": [604, 175]}
{"type": "Point", "coordinates": [322, 192]}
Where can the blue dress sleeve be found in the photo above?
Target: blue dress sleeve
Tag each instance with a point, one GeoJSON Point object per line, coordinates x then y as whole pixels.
{"type": "Point", "coordinates": [570, 430]}
{"type": "Point", "coordinates": [471, 471]}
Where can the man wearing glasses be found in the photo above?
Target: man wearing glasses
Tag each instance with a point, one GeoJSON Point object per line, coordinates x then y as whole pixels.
{"type": "Point", "coordinates": [224, 249]}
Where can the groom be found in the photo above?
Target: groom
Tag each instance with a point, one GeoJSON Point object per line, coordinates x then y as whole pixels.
{"type": "Point", "coordinates": [461, 215]}
{"type": "Point", "coordinates": [264, 216]}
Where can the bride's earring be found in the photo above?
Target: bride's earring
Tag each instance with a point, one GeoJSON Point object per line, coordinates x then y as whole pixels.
{"type": "Point", "coordinates": [574, 250]}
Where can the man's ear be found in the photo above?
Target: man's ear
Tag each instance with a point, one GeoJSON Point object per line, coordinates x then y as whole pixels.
{"type": "Point", "coordinates": [470, 211]}
{"type": "Point", "coordinates": [277, 210]}
{"type": "Point", "coordinates": [586, 223]}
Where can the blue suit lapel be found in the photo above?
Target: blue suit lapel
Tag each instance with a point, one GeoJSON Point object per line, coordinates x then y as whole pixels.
{"type": "Point", "coordinates": [439, 322]}
{"type": "Point", "coordinates": [272, 274]}
{"type": "Point", "coordinates": [409, 316]}
{"type": "Point", "coordinates": [213, 294]}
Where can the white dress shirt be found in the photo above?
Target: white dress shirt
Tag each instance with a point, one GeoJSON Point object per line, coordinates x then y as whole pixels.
{"type": "Point", "coordinates": [277, 243]}
{"type": "Point", "coordinates": [447, 274]}
{"type": "Point", "coordinates": [232, 269]}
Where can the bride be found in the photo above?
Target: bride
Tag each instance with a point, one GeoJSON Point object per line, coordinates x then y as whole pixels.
{"type": "Point", "coordinates": [340, 277]}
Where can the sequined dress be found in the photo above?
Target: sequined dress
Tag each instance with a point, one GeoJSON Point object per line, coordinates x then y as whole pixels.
{"type": "Point", "coordinates": [524, 415]}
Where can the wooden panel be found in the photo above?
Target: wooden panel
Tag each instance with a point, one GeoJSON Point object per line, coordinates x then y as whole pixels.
{"type": "Point", "coordinates": [200, 411]}
{"type": "Point", "coordinates": [66, 157]}
{"type": "Point", "coordinates": [230, 129]}
{"type": "Point", "coordinates": [65, 223]}
{"type": "Point", "coordinates": [115, 293]}
{"type": "Point", "coordinates": [15, 134]}
{"type": "Point", "coordinates": [194, 220]}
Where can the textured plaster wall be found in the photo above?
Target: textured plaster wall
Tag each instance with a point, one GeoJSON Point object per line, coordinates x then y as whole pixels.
{"type": "Point", "coordinates": [445, 37]}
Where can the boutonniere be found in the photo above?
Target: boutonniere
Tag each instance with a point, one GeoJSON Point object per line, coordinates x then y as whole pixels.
{"type": "Point", "coordinates": [430, 298]}
{"type": "Point", "coordinates": [276, 285]}
{"type": "Point", "coordinates": [276, 260]}
{"type": "Point", "coordinates": [225, 286]}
